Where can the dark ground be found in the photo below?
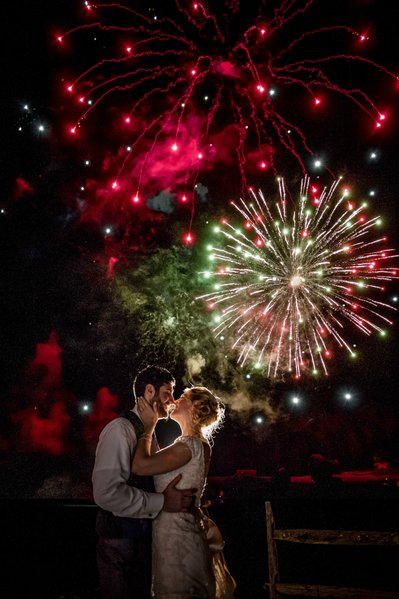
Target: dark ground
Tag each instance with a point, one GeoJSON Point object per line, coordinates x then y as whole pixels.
{"type": "Point", "coordinates": [48, 546]}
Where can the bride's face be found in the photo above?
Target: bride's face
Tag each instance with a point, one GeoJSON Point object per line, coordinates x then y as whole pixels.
{"type": "Point", "coordinates": [182, 408]}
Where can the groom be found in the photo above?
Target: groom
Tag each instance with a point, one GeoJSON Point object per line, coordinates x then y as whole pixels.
{"type": "Point", "coordinates": [127, 502]}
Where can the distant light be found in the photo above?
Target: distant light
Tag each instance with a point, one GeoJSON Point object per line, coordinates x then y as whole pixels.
{"type": "Point", "coordinates": [348, 396]}
{"type": "Point", "coordinates": [296, 400]}
{"type": "Point", "coordinates": [85, 407]}
{"type": "Point", "coordinates": [87, 162]}
{"type": "Point", "coordinates": [371, 192]}
{"type": "Point", "coordinates": [188, 238]}
{"type": "Point", "coordinates": [259, 419]}
{"type": "Point", "coordinates": [318, 163]}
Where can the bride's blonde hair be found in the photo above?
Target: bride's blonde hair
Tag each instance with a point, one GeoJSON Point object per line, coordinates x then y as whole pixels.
{"type": "Point", "coordinates": [208, 410]}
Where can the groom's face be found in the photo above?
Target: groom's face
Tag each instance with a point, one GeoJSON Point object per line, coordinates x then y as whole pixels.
{"type": "Point", "coordinates": [164, 398]}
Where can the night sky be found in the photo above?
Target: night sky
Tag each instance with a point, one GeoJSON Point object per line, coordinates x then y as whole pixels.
{"type": "Point", "coordinates": [99, 277]}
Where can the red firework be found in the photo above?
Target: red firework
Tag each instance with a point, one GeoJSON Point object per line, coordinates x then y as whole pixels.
{"type": "Point", "coordinates": [188, 89]}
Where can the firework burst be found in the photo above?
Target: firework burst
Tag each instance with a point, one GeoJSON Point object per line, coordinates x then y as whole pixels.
{"type": "Point", "coordinates": [183, 88]}
{"type": "Point", "coordinates": [294, 277]}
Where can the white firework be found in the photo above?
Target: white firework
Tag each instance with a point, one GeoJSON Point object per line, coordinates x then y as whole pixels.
{"type": "Point", "coordinates": [287, 285]}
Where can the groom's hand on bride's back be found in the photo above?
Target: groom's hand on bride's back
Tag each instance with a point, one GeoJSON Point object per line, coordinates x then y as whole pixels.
{"type": "Point", "coordinates": [178, 500]}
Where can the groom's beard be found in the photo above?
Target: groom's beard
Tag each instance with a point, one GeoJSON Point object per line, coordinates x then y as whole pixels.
{"type": "Point", "coordinates": [162, 409]}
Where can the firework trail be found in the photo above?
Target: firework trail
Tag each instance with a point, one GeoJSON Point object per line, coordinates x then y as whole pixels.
{"type": "Point", "coordinates": [193, 86]}
{"type": "Point", "coordinates": [290, 281]}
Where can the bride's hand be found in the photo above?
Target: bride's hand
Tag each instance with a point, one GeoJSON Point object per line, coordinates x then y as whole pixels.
{"type": "Point", "coordinates": [148, 413]}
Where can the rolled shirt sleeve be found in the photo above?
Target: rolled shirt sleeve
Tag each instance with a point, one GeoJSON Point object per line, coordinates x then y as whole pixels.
{"type": "Point", "coordinates": [111, 472]}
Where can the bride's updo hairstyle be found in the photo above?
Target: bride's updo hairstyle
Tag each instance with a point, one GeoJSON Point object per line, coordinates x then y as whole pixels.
{"type": "Point", "coordinates": [208, 410]}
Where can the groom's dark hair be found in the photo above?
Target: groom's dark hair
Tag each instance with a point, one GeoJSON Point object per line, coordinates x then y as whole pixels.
{"type": "Point", "coordinates": [151, 375]}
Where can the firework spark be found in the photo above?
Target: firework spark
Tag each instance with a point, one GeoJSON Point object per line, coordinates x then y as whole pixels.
{"type": "Point", "coordinates": [289, 282]}
{"type": "Point", "coordinates": [207, 84]}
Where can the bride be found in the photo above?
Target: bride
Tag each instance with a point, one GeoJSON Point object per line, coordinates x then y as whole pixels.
{"type": "Point", "coordinates": [185, 564]}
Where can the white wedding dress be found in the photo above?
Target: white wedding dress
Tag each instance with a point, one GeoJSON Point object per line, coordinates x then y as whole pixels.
{"type": "Point", "coordinates": [181, 560]}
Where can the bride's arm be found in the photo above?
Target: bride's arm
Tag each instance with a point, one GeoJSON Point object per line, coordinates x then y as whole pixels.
{"type": "Point", "coordinates": [172, 457]}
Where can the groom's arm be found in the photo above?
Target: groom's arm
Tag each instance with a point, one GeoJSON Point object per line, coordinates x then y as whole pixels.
{"type": "Point", "coordinates": [111, 473]}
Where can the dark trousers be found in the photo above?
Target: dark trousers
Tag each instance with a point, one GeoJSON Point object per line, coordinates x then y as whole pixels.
{"type": "Point", "coordinates": [124, 568]}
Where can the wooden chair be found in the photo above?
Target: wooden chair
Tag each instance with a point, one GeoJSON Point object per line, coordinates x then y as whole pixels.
{"type": "Point", "coordinates": [278, 589]}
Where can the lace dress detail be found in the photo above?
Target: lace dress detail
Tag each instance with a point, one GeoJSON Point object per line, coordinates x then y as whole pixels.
{"type": "Point", "coordinates": [181, 561]}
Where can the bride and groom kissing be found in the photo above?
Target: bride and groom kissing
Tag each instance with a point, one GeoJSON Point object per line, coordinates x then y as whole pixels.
{"type": "Point", "coordinates": [154, 540]}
